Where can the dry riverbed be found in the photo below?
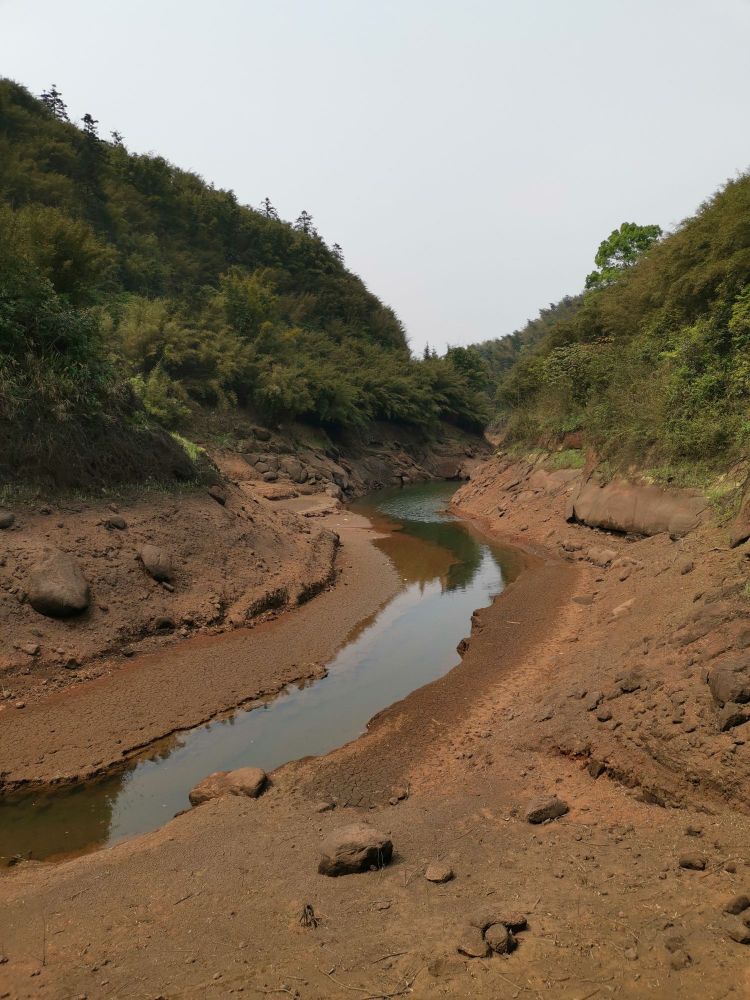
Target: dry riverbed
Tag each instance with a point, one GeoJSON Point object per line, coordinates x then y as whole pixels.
{"type": "Point", "coordinates": [623, 895]}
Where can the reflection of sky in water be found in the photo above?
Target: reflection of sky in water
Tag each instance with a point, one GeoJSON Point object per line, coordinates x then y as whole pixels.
{"type": "Point", "coordinates": [448, 573]}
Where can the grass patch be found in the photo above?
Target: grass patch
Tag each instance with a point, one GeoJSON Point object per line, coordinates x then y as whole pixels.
{"type": "Point", "coordinates": [193, 451]}
{"type": "Point", "coordinates": [569, 458]}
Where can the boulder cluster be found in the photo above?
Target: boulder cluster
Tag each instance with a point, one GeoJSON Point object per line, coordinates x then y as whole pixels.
{"type": "Point", "coordinates": [491, 931]}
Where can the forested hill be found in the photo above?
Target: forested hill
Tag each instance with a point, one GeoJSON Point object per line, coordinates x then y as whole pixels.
{"type": "Point", "coordinates": [121, 274]}
{"type": "Point", "coordinates": [652, 362]}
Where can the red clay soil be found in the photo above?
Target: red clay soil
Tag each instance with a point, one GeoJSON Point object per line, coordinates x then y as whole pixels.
{"type": "Point", "coordinates": [108, 720]}
{"type": "Point", "coordinates": [230, 562]}
{"type": "Point", "coordinates": [211, 904]}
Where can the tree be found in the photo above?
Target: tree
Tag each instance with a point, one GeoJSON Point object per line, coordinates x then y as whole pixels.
{"type": "Point", "coordinates": [52, 100]}
{"type": "Point", "coordinates": [267, 209]}
{"type": "Point", "coordinates": [117, 138]}
{"type": "Point", "coordinates": [90, 126]}
{"type": "Point", "coordinates": [304, 223]}
{"type": "Point", "coordinates": [338, 253]}
{"type": "Point", "coordinates": [621, 250]}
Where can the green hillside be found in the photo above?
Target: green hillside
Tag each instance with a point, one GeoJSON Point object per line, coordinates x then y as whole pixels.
{"type": "Point", "coordinates": [653, 363]}
{"type": "Point", "coordinates": [132, 291]}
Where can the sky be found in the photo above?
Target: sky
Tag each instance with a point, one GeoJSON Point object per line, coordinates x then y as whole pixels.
{"type": "Point", "coordinates": [468, 155]}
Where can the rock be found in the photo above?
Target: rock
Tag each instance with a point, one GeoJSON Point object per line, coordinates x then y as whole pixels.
{"type": "Point", "coordinates": [116, 523]}
{"type": "Point", "coordinates": [596, 768]}
{"type": "Point", "coordinates": [730, 682]}
{"type": "Point", "coordinates": [686, 566]}
{"type": "Point", "coordinates": [57, 587]}
{"type": "Point", "coordinates": [639, 510]}
{"type": "Point", "coordinates": [270, 477]}
{"type": "Point", "coordinates": [334, 491]}
{"type": "Point", "coordinates": [631, 954]}
{"type": "Point", "coordinates": [499, 938]}
{"type": "Point", "coordinates": [472, 944]}
{"type": "Point", "coordinates": [156, 562]}
{"type": "Point", "coordinates": [601, 557]}
{"type": "Point", "coordinates": [293, 468]}
{"type": "Point", "coordinates": [693, 862]}
{"type": "Point", "coordinates": [439, 872]}
{"type": "Point", "coordinates": [249, 781]}
{"type": "Point", "coordinates": [354, 848]}
{"type": "Point", "coordinates": [542, 810]}
{"type": "Point", "coordinates": [31, 648]}
{"type": "Point", "coordinates": [7, 520]}
{"type": "Point", "coordinates": [738, 931]}
{"type": "Point", "coordinates": [514, 920]}
{"type": "Point", "coordinates": [217, 493]}
{"type": "Point", "coordinates": [630, 682]}
{"type": "Point", "coordinates": [261, 434]}
{"type": "Point", "coordinates": [604, 715]}
{"type": "Point", "coordinates": [731, 716]}
{"type": "Point", "coordinates": [737, 904]}
{"type": "Point", "coordinates": [594, 700]}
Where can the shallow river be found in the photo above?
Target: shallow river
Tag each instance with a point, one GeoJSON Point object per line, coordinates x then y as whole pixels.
{"type": "Point", "coordinates": [447, 571]}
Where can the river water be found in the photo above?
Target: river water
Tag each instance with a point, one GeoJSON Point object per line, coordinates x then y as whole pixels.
{"type": "Point", "coordinates": [447, 570]}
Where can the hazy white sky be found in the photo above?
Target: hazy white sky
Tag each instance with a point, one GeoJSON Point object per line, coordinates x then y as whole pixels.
{"type": "Point", "coordinates": [468, 155]}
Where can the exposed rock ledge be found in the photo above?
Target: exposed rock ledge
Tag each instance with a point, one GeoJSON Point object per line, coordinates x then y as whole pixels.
{"type": "Point", "coordinates": [637, 509]}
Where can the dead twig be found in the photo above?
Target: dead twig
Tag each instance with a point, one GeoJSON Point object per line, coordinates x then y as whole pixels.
{"type": "Point", "coordinates": [406, 988]}
{"type": "Point", "coordinates": [392, 954]}
{"type": "Point", "coordinates": [344, 986]}
{"type": "Point", "coordinates": [308, 917]}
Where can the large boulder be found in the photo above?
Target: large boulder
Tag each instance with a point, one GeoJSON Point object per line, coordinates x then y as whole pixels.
{"type": "Point", "coordinates": [730, 682]}
{"type": "Point", "coordinates": [7, 519]}
{"type": "Point", "coordinates": [354, 848]}
{"type": "Point", "coordinates": [641, 510]}
{"type": "Point", "coordinates": [293, 468]}
{"type": "Point", "coordinates": [57, 587]}
{"type": "Point", "coordinates": [156, 562]}
{"type": "Point", "coordinates": [248, 781]}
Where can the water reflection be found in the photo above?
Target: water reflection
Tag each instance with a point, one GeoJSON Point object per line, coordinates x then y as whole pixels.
{"type": "Point", "coordinates": [447, 571]}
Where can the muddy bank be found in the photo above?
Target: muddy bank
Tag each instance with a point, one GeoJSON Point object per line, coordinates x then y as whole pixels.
{"type": "Point", "coordinates": [658, 622]}
{"type": "Point", "coordinates": [226, 556]}
{"type": "Point", "coordinates": [211, 904]}
{"type": "Point", "coordinates": [211, 565]}
{"type": "Point", "coordinates": [86, 730]}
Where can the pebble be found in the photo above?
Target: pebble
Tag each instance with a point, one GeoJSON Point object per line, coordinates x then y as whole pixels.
{"type": "Point", "coordinates": [737, 904]}
{"type": "Point", "coordinates": [472, 943]}
{"type": "Point", "coordinates": [499, 938]}
{"type": "Point", "coordinates": [542, 810]}
{"type": "Point", "coordinates": [738, 931]}
{"type": "Point", "coordinates": [439, 872]}
{"type": "Point", "coordinates": [693, 862]}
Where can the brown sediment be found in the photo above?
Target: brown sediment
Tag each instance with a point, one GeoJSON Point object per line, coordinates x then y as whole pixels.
{"type": "Point", "coordinates": [211, 903]}
{"type": "Point", "coordinates": [94, 727]}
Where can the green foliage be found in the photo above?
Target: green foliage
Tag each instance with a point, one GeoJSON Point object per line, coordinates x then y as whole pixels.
{"type": "Point", "coordinates": [502, 353]}
{"type": "Point", "coordinates": [620, 250]}
{"type": "Point", "coordinates": [653, 366]}
{"type": "Point", "coordinates": [121, 268]}
{"type": "Point", "coordinates": [570, 458]}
